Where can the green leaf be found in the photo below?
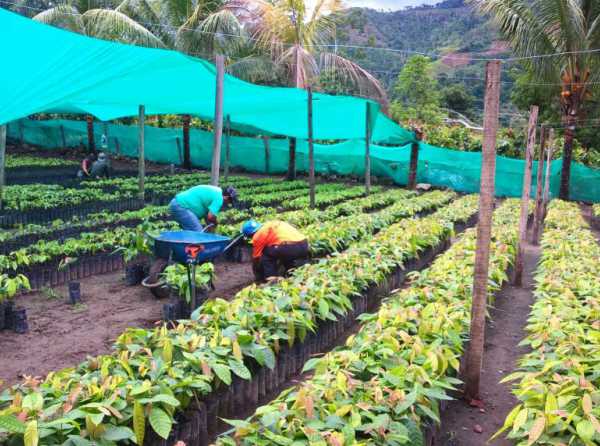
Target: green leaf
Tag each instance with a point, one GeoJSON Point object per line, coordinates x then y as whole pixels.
{"type": "Point", "coordinates": [33, 401]}
{"type": "Point", "coordinates": [31, 436]}
{"type": "Point", "coordinates": [223, 372]}
{"type": "Point", "coordinates": [118, 433]}
{"type": "Point", "coordinates": [160, 422]}
{"type": "Point", "coordinates": [11, 424]}
{"type": "Point", "coordinates": [139, 422]}
{"type": "Point", "coordinates": [161, 398]}
{"type": "Point", "coordinates": [240, 369]}
{"type": "Point", "coordinates": [585, 430]}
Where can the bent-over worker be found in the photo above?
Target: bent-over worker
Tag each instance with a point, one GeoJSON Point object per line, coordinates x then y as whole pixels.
{"type": "Point", "coordinates": [274, 244]}
{"type": "Point", "coordinates": [86, 165]}
{"type": "Point", "coordinates": [191, 206]}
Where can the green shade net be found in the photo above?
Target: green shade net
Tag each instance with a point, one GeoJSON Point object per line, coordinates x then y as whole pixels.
{"type": "Point", "coordinates": [440, 167]}
{"type": "Point", "coordinates": [57, 71]}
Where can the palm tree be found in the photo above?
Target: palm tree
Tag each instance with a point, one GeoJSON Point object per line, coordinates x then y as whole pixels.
{"type": "Point", "coordinates": [568, 27]}
{"type": "Point", "coordinates": [295, 39]}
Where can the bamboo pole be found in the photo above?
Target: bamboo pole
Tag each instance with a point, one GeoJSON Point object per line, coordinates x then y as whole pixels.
{"type": "Point", "coordinates": [535, 234]}
{"type": "Point", "coordinates": [311, 151]}
{"type": "Point", "coordinates": [227, 147]}
{"type": "Point", "coordinates": [549, 153]}
{"type": "Point", "coordinates": [218, 126]}
{"type": "Point", "coordinates": [484, 231]}
{"type": "Point", "coordinates": [2, 163]}
{"type": "Point", "coordinates": [414, 161]}
{"type": "Point", "coordinates": [141, 158]}
{"type": "Point", "coordinates": [526, 195]}
{"type": "Point", "coordinates": [367, 151]}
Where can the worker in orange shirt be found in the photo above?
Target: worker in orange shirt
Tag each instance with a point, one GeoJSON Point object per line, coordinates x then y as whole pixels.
{"type": "Point", "coordinates": [274, 244]}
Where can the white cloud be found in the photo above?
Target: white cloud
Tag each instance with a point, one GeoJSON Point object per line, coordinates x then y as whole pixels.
{"type": "Point", "coordinates": [389, 4]}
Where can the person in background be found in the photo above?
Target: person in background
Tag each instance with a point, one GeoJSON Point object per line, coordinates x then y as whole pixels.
{"type": "Point", "coordinates": [274, 244]}
{"type": "Point", "coordinates": [86, 166]}
{"type": "Point", "coordinates": [101, 167]}
{"type": "Point", "coordinates": [198, 203]}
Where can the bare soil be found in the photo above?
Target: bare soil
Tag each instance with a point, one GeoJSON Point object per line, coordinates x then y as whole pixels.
{"type": "Point", "coordinates": [61, 335]}
{"type": "Point", "coordinates": [465, 425]}
{"type": "Point", "coordinates": [588, 214]}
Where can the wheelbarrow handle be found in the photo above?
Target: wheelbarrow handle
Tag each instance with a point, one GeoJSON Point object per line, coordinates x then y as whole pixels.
{"type": "Point", "coordinates": [233, 242]}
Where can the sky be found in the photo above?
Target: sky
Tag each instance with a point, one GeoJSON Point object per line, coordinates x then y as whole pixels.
{"type": "Point", "coordinates": [389, 4]}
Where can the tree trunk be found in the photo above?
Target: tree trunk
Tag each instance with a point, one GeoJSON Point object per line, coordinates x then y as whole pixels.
{"type": "Point", "coordinates": [537, 216]}
{"type": "Point", "coordinates": [2, 163]}
{"type": "Point", "coordinates": [484, 231]}
{"type": "Point", "coordinates": [90, 133]}
{"type": "Point", "coordinates": [187, 160]}
{"type": "Point", "coordinates": [291, 173]}
{"type": "Point", "coordinates": [525, 195]}
{"type": "Point", "coordinates": [565, 177]}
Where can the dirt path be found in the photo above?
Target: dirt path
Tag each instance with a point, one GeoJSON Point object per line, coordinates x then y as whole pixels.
{"type": "Point", "coordinates": [61, 335]}
{"type": "Point", "coordinates": [588, 214]}
{"type": "Point", "coordinates": [504, 331]}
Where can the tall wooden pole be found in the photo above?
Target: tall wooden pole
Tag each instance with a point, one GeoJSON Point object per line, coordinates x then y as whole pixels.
{"type": "Point", "coordinates": [218, 126]}
{"type": "Point", "coordinates": [141, 158]}
{"type": "Point", "coordinates": [311, 150]}
{"type": "Point", "coordinates": [549, 153]}
{"type": "Point", "coordinates": [484, 231]}
{"type": "Point", "coordinates": [227, 147]}
{"type": "Point", "coordinates": [267, 154]}
{"type": "Point", "coordinates": [526, 194]}
{"type": "Point", "coordinates": [187, 159]}
{"type": "Point", "coordinates": [2, 163]}
{"type": "Point", "coordinates": [90, 133]}
{"type": "Point", "coordinates": [414, 162]}
{"type": "Point", "coordinates": [368, 151]}
{"type": "Point", "coordinates": [291, 173]}
{"type": "Point", "coordinates": [535, 233]}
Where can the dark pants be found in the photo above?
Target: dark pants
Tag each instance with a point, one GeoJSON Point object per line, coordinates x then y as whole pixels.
{"type": "Point", "coordinates": [275, 256]}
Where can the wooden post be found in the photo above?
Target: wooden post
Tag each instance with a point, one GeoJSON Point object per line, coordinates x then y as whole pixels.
{"type": "Point", "coordinates": [62, 137]}
{"type": "Point", "coordinates": [141, 159]}
{"type": "Point", "coordinates": [291, 173]}
{"type": "Point", "coordinates": [90, 133]}
{"type": "Point", "coordinates": [2, 163]}
{"type": "Point", "coordinates": [549, 153]}
{"type": "Point", "coordinates": [526, 194]}
{"type": "Point", "coordinates": [414, 162]}
{"type": "Point", "coordinates": [187, 159]}
{"type": "Point", "coordinates": [227, 147]}
{"type": "Point", "coordinates": [367, 151]}
{"type": "Point", "coordinates": [311, 151]}
{"type": "Point", "coordinates": [535, 235]}
{"type": "Point", "coordinates": [21, 131]}
{"type": "Point", "coordinates": [117, 146]}
{"type": "Point", "coordinates": [181, 158]}
{"type": "Point", "coordinates": [267, 154]}
{"type": "Point", "coordinates": [484, 231]}
{"type": "Point", "coordinates": [218, 126]}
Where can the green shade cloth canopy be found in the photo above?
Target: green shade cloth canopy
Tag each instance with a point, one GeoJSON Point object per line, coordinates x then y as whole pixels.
{"type": "Point", "coordinates": [56, 71]}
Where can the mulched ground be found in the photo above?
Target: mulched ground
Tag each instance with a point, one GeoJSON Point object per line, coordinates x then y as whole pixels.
{"type": "Point", "coordinates": [62, 335]}
{"type": "Point", "coordinates": [465, 425]}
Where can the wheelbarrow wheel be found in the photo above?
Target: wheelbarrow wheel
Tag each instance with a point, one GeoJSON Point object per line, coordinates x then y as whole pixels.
{"type": "Point", "coordinates": [154, 282]}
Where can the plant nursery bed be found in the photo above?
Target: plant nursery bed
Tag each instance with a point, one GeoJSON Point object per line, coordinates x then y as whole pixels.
{"type": "Point", "coordinates": [200, 423]}
{"type": "Point", "coordinates": [62, 335]}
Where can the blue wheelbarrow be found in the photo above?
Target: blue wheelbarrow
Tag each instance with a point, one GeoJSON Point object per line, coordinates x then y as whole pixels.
{"type": "Point", "coordinates": [189, 248]}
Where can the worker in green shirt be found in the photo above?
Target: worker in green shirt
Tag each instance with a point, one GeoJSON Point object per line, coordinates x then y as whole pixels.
{"type": "Point", "coordinates": [189, 207]}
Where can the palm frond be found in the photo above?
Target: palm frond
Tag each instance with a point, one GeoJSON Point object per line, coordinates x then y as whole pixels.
{"type": "Point", "coordinates": [256, 69]}
{"type": "Point", "coordinates": [149, 15]}
{"type": "Point", "coordinates": [301, 66]}
{"type": "Point", "coordinates": [114, 25]}
{"type": "Point", "coordinates": [62, 16]}
{"type": "Point", "coordinates": [220, 32]}
{"type": "Point", "coordinates": [364, 83]}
